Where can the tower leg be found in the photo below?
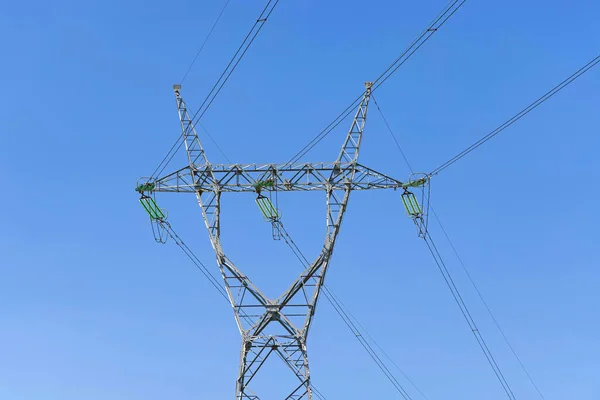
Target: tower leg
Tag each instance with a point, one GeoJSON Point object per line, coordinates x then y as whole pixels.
{"type": "Point", "coordinates": [254, 354]}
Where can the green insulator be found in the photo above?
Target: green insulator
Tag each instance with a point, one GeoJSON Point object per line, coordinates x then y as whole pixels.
{"type": "Point", "coordinates": [152, 208]}
{"type": "Point", "coordinates": [411, 204]}
{"type": "Point", "coordinates": [267, 208]}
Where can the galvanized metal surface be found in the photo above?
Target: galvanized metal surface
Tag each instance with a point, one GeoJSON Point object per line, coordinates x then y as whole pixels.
{"type": "Point", "coordinates": [274, 326]}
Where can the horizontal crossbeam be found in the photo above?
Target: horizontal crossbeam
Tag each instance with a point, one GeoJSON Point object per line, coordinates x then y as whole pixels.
{"type": "Point", "coordinates": [298, 177]}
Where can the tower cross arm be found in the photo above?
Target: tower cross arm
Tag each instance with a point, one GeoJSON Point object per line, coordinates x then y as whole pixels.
{"type": "Point", "coordinates": [282, 177]}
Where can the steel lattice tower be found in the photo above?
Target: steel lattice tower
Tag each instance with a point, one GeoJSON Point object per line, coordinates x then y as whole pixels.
{"type": "Point", "coordinates": [258, 329]}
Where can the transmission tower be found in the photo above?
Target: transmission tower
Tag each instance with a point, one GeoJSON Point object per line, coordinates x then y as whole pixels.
{"type": "Point", "coordinates": [279, 326]}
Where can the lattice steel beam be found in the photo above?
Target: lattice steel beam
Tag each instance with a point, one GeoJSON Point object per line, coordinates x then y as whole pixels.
{"type": "Point", "coordinates": [297, 177]}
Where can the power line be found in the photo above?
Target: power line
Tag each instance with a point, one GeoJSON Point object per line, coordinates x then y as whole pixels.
{"type": "Point", "coordinates": [215, 143]}
{"type": "Point", "coordinates": [365, 344]}
{"type": "Point", "coordinates": [204, 42]}
{"type": "Point", "coordinates": [463, 264]}
{"type": "Point", "coordinates": [195, 260]}
{"type": "Point", "coordinates": [385, 354]}
{"type": "Point", "coordinates": [451, 8]}
{"type": "Point", "coordinates": [519, 115]}
{"type": "Point", "coordinates": [171, 154]}
{"type": "Point", "coordinates": [214, 281]}
{"type": "Point", "coordinates": [348, 319]}
{"type": "Point", "coordinates": [332, 125]}
{"type": "Point", "coordinates": [464, 267]}
{"type": "Point", "coordinates": [168, 157]}
{"type": "Point", "coordinates": [233, 63]}
{"type": "Point", "coordinates": [467, 315]}
{"type": "Point", "coordinates": [235, 60]}
{"type": "Point", "coordinates": [389, 128]}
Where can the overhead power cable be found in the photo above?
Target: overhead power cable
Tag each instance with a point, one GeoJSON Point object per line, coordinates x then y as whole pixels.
{"type": "Point", "coordinates": [363, 332]}
{"type": "Point", "coordinates": [464, 267]}
{"type": "Point", "coordinates": [451, 8]}
{"type": "Point", "coordinates": [519, 115]}
{"type": "Point", "coordinates": [225, 75]}
{"type": "Point", "coordinates": [467, 315]}
{"type": "Point", "coordinates": [204, 42]}
{"type": "Point", "coordinates": [173, 151]}
{"type": "Point", "coordinates": [168, 157]}
{"type": "Point", "coordinates": [352, 323]}
{"type": "Point", "coordinates": [212, 139]}
{"type": "Point", "coordinates": [195, 260]}
{"type": "Point", "coordinates": [389, 128]}
{"type": "Point", "coordinates": [365, 344]}
{"type": "Point", "coordinates": [237, 57]}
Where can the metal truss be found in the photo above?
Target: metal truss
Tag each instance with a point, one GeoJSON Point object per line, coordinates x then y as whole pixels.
{"type": "Point", "coordinates": [296, 177]}
{"type": "Point", "coordinates": [274, 326]}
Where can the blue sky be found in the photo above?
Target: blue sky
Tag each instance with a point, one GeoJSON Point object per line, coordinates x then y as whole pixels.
{"type": "Point", "coordinates": [91, 307]}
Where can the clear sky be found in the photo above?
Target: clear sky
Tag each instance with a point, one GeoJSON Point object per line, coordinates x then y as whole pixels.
{"type": "Point", "coordinates": [92, 308]}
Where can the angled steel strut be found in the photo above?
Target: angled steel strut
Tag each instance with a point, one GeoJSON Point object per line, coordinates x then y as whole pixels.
{"type": "Point", "coordinates": [279, 325]}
